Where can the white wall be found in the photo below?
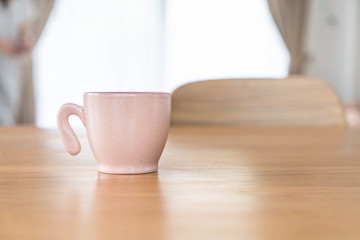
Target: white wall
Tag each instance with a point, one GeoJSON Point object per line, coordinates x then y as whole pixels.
{"type": "Point", "coordinates": [332, 44]}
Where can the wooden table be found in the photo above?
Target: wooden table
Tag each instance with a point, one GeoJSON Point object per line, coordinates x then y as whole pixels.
{"type": "Point", "coordinates": [213, 183]}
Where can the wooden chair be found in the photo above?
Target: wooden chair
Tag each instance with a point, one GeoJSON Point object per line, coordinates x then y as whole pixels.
{"type": "Point", "coordinates": [293, 101]}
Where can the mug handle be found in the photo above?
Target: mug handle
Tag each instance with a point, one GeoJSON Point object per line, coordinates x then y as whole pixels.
{"type": "Point", "coordinates": [67, 134]}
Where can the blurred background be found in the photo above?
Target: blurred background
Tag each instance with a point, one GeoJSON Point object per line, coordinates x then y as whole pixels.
{"type": "Point", "coordinates": [158, 45]}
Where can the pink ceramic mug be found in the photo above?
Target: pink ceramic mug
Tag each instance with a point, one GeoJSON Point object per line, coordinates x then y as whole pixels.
{"type": "Point", "coordinates": [127, 131]}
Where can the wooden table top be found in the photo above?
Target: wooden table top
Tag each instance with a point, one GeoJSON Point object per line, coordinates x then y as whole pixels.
{"type": "Point", "coordinates": [213, 183]}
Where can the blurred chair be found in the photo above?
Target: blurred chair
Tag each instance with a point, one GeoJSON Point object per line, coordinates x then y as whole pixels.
{"type": "Point", "coordinates": [295, 101]}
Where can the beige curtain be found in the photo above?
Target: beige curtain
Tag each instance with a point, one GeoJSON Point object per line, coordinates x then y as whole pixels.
{"type": "Point", "coordinates": [27, 107]}
{"type": "Point", "coordinates": [290, 17]}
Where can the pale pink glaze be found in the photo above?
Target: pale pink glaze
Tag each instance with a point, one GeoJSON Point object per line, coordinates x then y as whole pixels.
{"type": "Point", "coordinates": [127, 131]}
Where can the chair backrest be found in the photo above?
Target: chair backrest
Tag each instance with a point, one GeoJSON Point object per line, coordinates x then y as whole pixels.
{"type": "Point", "coordinates": [293, 101]}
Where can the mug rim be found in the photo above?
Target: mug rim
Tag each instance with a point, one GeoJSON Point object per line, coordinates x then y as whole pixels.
{"type": "Point", "coordinates": [127, 93]}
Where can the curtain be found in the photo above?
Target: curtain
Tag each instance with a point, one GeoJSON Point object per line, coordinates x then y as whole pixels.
{"type": "Point", "coordinates": [290, 17]}
{"type": "Point", "coordinates": [27, 107]}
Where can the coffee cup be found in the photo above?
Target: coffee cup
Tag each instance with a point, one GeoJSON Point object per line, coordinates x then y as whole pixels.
{"type": "Point", "coordinates": [127, 131]}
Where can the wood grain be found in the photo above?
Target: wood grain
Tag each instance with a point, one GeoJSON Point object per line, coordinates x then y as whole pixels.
{"type": "Point", "coordinates": [294, 101]}
{"type": "Point", "coordinates": [213, 183]}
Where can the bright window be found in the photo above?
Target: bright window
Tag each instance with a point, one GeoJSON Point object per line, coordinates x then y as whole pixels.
{"type": "Point", "coordinates": [151, 45]}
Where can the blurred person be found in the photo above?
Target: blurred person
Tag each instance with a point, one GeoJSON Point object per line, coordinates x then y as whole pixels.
{"type": "Point", "coordinates": [15, 41]}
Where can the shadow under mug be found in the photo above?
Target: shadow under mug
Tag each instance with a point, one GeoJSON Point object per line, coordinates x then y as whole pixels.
{"type": "Point", "coordinates": [127, 131]}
